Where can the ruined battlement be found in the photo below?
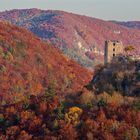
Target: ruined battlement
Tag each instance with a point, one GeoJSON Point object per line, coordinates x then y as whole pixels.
{"type": "Point", "coordinates": [112, 49]}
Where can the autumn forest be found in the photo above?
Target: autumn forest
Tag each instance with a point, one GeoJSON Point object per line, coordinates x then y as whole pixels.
{"type": "Point", "coordinates": [46, 93]}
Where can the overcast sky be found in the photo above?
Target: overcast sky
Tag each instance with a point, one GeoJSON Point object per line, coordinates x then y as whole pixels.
{"type": "Point", "coordinates": [104, 9]}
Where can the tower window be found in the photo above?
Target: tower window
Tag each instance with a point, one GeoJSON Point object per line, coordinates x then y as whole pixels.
{"type": "Point", "coordinates": [113, 55]}
{"type": "Point", "coordinates": [114, 44]}
{"type": "Point", "coordinates": [114, 49]}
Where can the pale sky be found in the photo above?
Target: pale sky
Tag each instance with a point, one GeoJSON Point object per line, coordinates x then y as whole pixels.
{"type": "Point", "coordinates": [123, 10]}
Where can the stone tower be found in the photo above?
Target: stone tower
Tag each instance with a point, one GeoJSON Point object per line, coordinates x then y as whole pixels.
{"type": "Point", "coordinates": [112, 49]}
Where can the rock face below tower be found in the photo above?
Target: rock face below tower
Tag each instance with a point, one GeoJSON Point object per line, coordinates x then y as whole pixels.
{"type": "Point", "coordinates": [112, 49]}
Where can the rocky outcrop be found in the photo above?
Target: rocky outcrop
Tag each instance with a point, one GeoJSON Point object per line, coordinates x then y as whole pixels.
{"type": "Point", "coordinates": [122, 75]}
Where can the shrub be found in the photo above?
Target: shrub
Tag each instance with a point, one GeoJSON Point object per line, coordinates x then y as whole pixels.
{"type": "Point", "coordinates": [60, 111]}
{"type": "Point", "coordinates": [1, 50]}
{"type": "Point", "coordinates": [24, 136]}
{"type": "Point", "coordinates": [2, 69]}
{"type": "Point", "coordinates": [50, 92]}
{"type": "Point", "coordinates": [1, 118]}
{"type": "Point", "coordinates": [134, 132]}
{"type": "Point", "coordinates": [8, 56]}
{"type": "Point", "coordinates": [86, 98]}
{"type": "Point", "coordinates": [26, 105]}
{"type": "Point", "coordinates": [136, 105]}
{"type": "Point", "coordinates": [11, 50]}
{"type": "Point", "coordinates": [102, 102]}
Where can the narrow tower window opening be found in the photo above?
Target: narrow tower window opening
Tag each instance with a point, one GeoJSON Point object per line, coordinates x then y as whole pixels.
{"type": "Point", "coordinates": [113, 55]}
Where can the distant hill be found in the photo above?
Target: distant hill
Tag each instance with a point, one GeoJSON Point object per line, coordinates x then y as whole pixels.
{"type": "Point", "coordinates": [29, 66]}
{"type": "Point", "coordinates": [129, 24]}
{"type": "Point", "coordinates": [80, 37]}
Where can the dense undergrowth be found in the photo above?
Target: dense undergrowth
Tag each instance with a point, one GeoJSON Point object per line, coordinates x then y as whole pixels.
{"type": "Point", "coordinates": [87, 117]}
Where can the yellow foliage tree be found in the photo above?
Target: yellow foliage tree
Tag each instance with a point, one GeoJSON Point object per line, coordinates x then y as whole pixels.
{"type": "Point", "coordinates": [73, 116]}
{"type": "Point", "coordinates": [129, 49]}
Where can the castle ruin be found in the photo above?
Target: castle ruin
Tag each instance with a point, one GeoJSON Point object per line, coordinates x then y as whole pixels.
{"type": "Point", "coordinates": [112, 49]}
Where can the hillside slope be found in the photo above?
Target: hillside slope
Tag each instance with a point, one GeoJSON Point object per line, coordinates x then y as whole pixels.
{"type": "Point", "coordinates": [80, 37]}
{"type": "Point", "coordinates": [29, 67]}
{"type": "Point", "coordinates": [129, 24]}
